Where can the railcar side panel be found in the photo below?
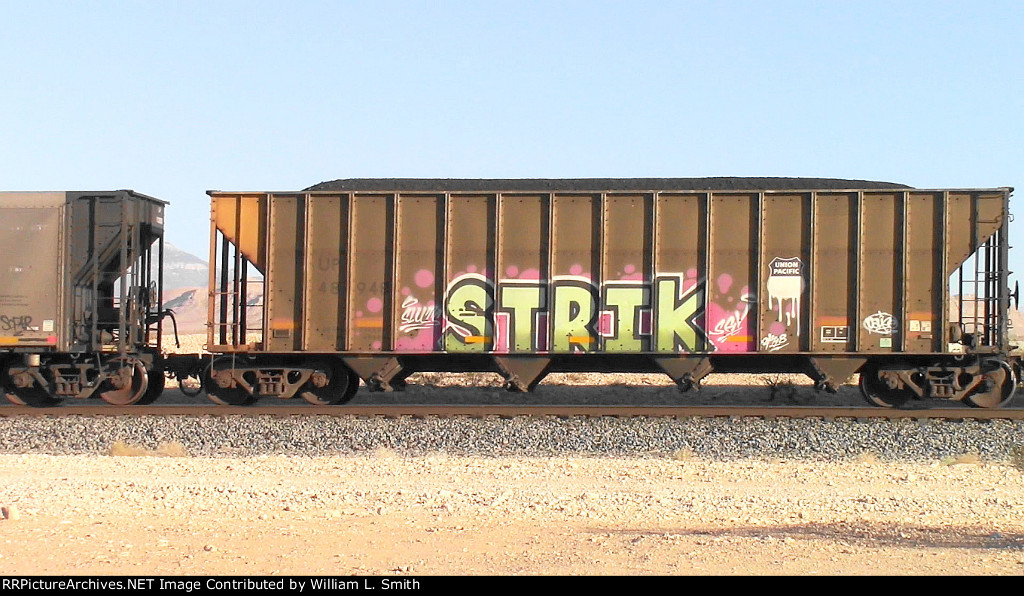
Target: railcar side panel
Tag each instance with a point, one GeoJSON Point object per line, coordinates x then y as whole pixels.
{"type": "Point", "coordinates": [834, 266]}
{"type": "Point", "coordinates": [415, 293]}
{"type": "Point", "coordinates": [624, 321]}
{"type": "Point", "coordinates": [729, 278]}
{"type": "Point", "coordinates": [286, 265]}
{"type": "Point", "coordinates": [521, 301]}
{"type": "Point", "coordinates": [681, 253]}
{"type": "Point", "coordinates": [31, 271]}
{"type": "Point", "coordinates": [924, 297]}
{"type": "Point", "coordinates": [624, 272]}
{"type": "Point", "coordinates": [370, 269]}
{"type": "Point", "coordinates": [785, 272]}
{"type": "Point", "coordinates": [878, 295]}
{"type": "Point", "coordinates": [574, 297]}
{"type": "Point", "coordinates": [324, 266]}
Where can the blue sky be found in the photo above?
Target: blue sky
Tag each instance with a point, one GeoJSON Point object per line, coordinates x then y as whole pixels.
{"type": "Point", "coordinates": [175, 98]}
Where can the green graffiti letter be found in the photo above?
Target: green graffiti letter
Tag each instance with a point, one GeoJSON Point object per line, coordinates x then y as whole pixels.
{"type": "Point", "coordinates": [468, 309]}
{"type": "Point", "coordinates": [522, 302]}
{"type": "Point", "coordinates": [626, 301]}
{"type": "Point", "coordinates": [675, 315]}
{"type": "Point", "coordinates": [574, 312]}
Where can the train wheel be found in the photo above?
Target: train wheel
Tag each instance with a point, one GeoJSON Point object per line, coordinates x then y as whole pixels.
{"type": "Point", "coordinates": [225, 396]}
{"type": "Point", "coordinates": [190, 385]}
{"type": "Point", "coordinates": [34, 396]}
{"type": "Point", "coordinates": [330, 387]}
{"type": "Point", "coordinates": [235, 396]}
{"type": "Point", "coordinates": [1001, 383]}
{"type": "Point", "coordinates": [877, 392]}
{"type": "Point", "coordinates": [155, 388]}
{"type": "Point", "coordinates": [353, 386]}
{"type": "Point", "coordinates": [131, 390]}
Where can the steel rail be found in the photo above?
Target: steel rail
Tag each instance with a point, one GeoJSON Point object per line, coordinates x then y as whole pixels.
{"type": "Point", "coordinates": [481, 411]}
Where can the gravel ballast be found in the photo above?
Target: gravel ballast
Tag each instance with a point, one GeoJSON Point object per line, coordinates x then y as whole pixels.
{"type": "Point", "coordinates": [715, 438]}
{"type": "Point", "coordinates": [722, 438]}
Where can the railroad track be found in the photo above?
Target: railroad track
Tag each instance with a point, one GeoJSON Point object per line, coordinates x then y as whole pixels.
{"type": "Point", "coordinates": [481, 411]}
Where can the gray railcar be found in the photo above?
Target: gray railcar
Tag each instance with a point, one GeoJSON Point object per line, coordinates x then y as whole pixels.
{"type": "Point", "coordinates": [79, 296]}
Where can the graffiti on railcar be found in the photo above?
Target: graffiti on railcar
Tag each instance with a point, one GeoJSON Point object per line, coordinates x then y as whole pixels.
{"type": "Point", "coordinates": [785, 285]}
{"type": "Point", "coordinates": [773, 342]}
{"type": "Point", "coordinates": [420, 318]}
{"type": "Point", "coordinates": [18, 323]}
{"type": "Point", "coordinates": [729, 321]}
{"type": "Point", "coordinates": [570, 314]}
{"type": "Point", "coordinates": [521, 313]}
{"type": "Point", "coordinates": [881, 323]}
{"type": "Point", "coordinates": [416, 316]}
{"type": "Point", "coordinates": [469, 312]}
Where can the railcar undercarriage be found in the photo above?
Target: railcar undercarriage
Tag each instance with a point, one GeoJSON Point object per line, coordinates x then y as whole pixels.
{"type": "Point", "coordinates": [982, 382]}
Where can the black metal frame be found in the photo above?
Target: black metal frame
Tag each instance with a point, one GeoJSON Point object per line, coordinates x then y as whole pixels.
{"type": "Point", "coordinates": [985, 325]}
{"type": "Point", "coordinates": [125, 300]}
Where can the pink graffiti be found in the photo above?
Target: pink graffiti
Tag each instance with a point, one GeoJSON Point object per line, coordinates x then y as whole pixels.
{"type": "Point", "coordinates": [502, 339]}
{"type": "Point", "coordinates": [424, 278]}
{"type": "Point", "coordinates": [731, 329]}
{"type": "Point", "coordinates": [724, 283]}
{"type": "Point", "coordinates": [421, 342]}
{"type": "Point", "coordinates": [630, 273]}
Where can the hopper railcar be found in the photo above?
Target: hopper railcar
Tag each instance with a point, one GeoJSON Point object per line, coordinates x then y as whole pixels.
{"type": "Point", "coordinates": [80, 277]}
{"type": "Point", "coordinates": [372, 280]}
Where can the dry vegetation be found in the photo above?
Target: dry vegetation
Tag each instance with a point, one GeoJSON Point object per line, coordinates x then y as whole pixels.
{"type": "Point", "coordinates": [190, 344]}
{"type": "Point", "coordinates": [172, 449]}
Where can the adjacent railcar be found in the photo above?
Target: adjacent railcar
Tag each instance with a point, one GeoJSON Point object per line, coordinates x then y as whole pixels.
{"type": "Point", "coordinates": [79, 281]}
{"type": "Point", "coordinates": [376, 279]}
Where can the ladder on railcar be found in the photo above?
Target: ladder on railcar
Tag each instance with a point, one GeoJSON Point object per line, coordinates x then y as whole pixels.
{"type": "Point", "coordinates": [232, 299]}
{"type": "Point", "coordinates": [983, 305]}
{"type": "Point", "coordinates": [123, 298]}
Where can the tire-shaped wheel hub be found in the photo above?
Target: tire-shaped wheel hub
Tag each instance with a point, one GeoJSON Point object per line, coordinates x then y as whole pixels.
{"type": "Point", "coordinates": [997, 386]}
{"type": "Point", "coordinates": [329, 385]}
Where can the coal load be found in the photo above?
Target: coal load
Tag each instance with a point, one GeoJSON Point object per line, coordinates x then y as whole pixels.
{"type": "Point", "coordinates": [593, 184]}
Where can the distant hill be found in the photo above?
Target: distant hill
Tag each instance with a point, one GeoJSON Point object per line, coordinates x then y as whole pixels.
{"type": "Point", "coordinates": [183, 269]}
{"type": "Point", "coordinates": [186, 287]}
{"type": "Point", "coordinates": [190, 308]}
{"type": "Point", "coordinates": [1016, 322]}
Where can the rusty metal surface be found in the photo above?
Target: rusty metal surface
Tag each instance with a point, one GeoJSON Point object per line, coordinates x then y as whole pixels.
{"type": "Point", "coordinates": [32, 260]}
{"type": "Point", "coordinates": [476, 267]}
